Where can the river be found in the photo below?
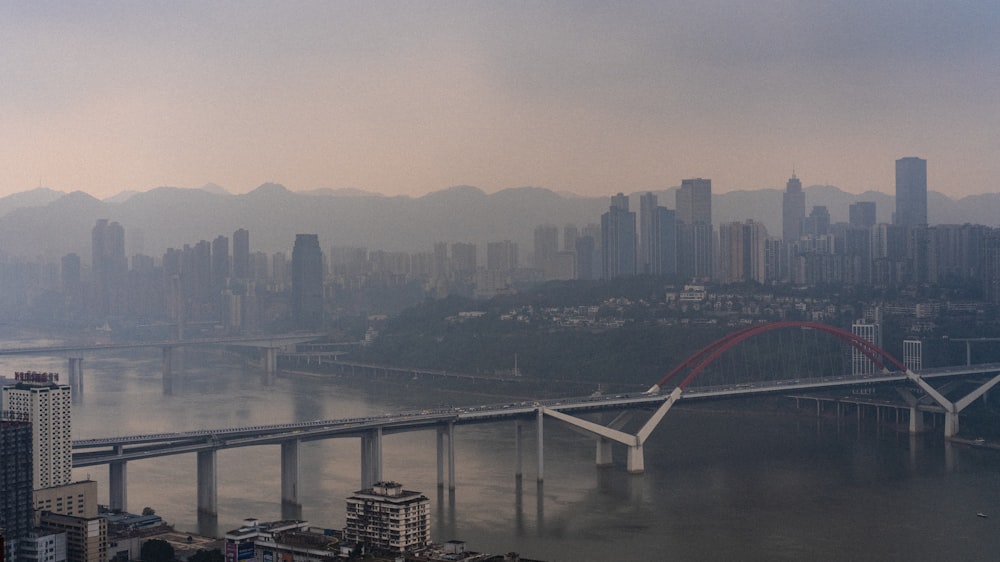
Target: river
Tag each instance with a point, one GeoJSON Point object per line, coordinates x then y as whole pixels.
{"type": "Point", "coordinates": [718, 485]}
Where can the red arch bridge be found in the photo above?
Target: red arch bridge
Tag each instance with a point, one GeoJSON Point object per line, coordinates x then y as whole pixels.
{"type": "Point", "coordinates": [870, 365]}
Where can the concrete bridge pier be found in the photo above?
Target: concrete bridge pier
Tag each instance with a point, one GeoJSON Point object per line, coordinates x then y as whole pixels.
{"type": "Point", "coordinates": [541, 447]}
{"type": "Point", "coordinates": [208, 490]}
{"type": "Point", "coordinates": [952, 409]}
{"type": "Point", "coordinates": [605, 458]}
{"type": "Point", "coordinates": [117, 485]}
{"type": "Point", "coordinates": [371, 458]}
{"type": "Point", "coordinates": [449, 433]}
{"type": "Point", "coordinates": [440, 456]}
{"type": "Point", "coordinates": [636, 462]}
{"type": "Point", "coordinates": [518, 450]}
{"type": "Point", "coordinates": [168, 361]}
{"type": "Point", "coordinates": [270, 360]}
{"type": "Point", "coordinates": [291, 508]}
{"type": "Point", "coordinates": [75, 368]}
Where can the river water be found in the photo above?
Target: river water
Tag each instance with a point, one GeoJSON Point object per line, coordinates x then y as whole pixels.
{"type": "Point", "coordinates": [718, 485]}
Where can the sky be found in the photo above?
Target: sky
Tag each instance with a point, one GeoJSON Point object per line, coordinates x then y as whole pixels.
{"type": "Point", "coordinates": [411, 97]}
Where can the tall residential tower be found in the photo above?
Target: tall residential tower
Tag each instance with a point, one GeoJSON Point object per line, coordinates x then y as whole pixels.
{"type": "Point", "coordinates": [911, 192]}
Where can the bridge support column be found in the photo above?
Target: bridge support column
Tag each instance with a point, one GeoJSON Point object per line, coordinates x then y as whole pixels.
{"type": "Point", "coordinates": [916, 420]}
{"type": "Point", "coordinates": [541, 448]}
{"type": "Point", "coordinates": [604, 454]}
{"type": "Point", "coordinates": [75, 368]}
{"type": "Point", "coordinates": [636, 463]}
{"type": "Point", "coordinates": [371, 458]}
{"type": "Point", "coordinates": [208, 491]}
{"type": "Point", "coordinates": [451, 457]}
{"type": "Point", "coordinates": [117, 486]}
{"type": "Point", "coordinates": [271, 360]}
{"type": "Point", "coordinates": [952, 409]}
{"type": "Point", "coordinates": [168, 361]}
{"type": "Point", "coordinates": [440, 456]}
{"type": "Point", "coordinates": [518, 450]}
{"type": "Point", "coordinates": [290, 506]}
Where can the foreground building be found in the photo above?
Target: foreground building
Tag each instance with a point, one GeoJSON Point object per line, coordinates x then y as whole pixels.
{"type": "Point", "coordinates": [46, 405]}
{"type": "Point", "coordinates": [388, 518]}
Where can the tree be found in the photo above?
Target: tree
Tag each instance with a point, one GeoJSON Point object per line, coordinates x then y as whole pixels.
{"type": "Point", "coordinates": [214, 555]}
{"type": "Point", "coordinates": [148, 511]}
{"type": "Point", "coordinates": [156, 550]}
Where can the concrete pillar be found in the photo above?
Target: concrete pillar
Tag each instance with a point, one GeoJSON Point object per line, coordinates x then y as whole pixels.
{"type": "Point", "coordinates": [451, 456]}
{"type": "Point", "coordinates": [541, 449]}
{"type": "Point", "coordinates": [518, 450]}
{"type": "Point", "coordinates": [291, 508]}
{"type": "Point", "coordinates": [636, 463]}
{"type": "Point", "coordinates": [604, 455]}
{"type": "Point", "coordinates": [271, 360]}
{"type": "Point", "coordinates": [950, 424]}
{"type": "Point", "coordinates": [440, 456]}
{"type": "Point", "coordinates": [208, 490]}
{"type": "Point", "coordinates": [75, 368]}
{"type": "Point", "coordinates": [117, 486]}
{"type": "Point", "coordinates": [371, 458]}
{"type": "Point", "coordinates": [916, 420]}
{"type": "Point", "coordinates": [168, 360]}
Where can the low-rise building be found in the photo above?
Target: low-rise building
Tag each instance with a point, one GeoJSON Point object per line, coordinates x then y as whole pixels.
{"type": "Point", "coordinates": [387, 517]}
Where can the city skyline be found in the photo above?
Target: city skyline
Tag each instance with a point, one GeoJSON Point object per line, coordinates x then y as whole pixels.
{"type": "Point", "coordinates": [574, 97]}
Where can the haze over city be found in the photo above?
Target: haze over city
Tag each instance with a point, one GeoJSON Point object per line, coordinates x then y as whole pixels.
{"type": "Point", "coordinates": [582, 97]}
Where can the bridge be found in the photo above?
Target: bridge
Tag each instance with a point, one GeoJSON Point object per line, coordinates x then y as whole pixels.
{"type": "Point", "coordinates": [886, 370]}
{"type": "Point", "coordinates": [271, 345]}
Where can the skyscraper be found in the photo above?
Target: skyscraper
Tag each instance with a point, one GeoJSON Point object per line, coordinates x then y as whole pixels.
{"type": "Point", "coordinates": [546, 247]}
{"type": "Point", "coordinates": [46, 404]}
{"type": "Point", "coordinates": [307, 281]}
{"type": "Point", "coordinates": [695, 254]}
{"type": "Point", "coordinates": [793, 210]}
{"type": "Point", "coordinates": [694, 201]}
{"type": "Point", "coordinates": [618, 239]}
{"type": "Point", "coordinates": [109, 266]}
{"type": "Point", "coordinates": [241, 254]}
{"type": "Point", "coordinates": [862, 214]}
{"type": "Point", "coordinates": [16, 473]}
{"type": "Point", "coordinates": [648, 247]}
{"type": "Point", "coordinates": [911, 192]}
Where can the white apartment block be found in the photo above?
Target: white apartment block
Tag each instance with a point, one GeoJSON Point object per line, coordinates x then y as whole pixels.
{"type": "Point", "coordinates": [47, 406]}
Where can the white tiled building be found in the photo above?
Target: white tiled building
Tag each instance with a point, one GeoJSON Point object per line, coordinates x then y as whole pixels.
{"type": "Point", "coordinates": [387, 517]}
{"type": "Point", "coordinates": [47, 405]}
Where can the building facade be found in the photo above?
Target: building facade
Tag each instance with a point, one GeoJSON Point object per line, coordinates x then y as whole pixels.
{"type": "Point", "coordinates": [911, 191]}
{"type": "Point", "coordinates": [386, 517]}
{"type": "Point", "coordinates": [46, 403]}
{"type": "Point", "coordinates": [618, 240]}
{"type": "Point", "coordinates": [307, 281]}
{"type": "Point", "coordinates": [793, 209]}
{"type": "Point", "coordinates": [16, 475]}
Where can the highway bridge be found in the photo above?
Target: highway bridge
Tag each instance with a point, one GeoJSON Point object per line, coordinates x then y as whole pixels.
{"type": "Point", "coordinates": [920, 396]}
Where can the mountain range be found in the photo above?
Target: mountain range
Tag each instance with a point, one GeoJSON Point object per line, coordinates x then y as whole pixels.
{"type": "Point", "coordinates": [47, 223]}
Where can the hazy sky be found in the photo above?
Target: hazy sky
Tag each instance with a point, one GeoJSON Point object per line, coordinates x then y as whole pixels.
{"type": "Point", "coordinates": [409, 97]}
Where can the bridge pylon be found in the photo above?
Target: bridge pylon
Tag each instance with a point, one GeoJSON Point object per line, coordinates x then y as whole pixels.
{"type": "Point", "coordinates": [635, 461]}
{"type": "Point", "coordinates": [952, 409]}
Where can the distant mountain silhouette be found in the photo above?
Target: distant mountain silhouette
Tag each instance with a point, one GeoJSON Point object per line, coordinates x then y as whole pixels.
{"type": "Point", "coordinates": [49, 223]}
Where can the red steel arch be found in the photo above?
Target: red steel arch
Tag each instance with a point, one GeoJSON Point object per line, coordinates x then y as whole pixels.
{"type": "Point", "coordinates": [705, 356]}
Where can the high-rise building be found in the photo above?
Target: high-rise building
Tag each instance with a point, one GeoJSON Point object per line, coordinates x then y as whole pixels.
{"type": "Point", "coordinates": [307, 281]}
{"type": "Point", "coordinates": [16, 477]}
{"type": "Point", "coordinates": [648, 247]}
{"type": "Point", "coordinates": [220, 263]}
{"type": "Point", "coordinates": [862, 214]}
{"type": "Point", "coordinates": [870, 331]}
{"type": "Point", "coordinates": [570, 234]}
{"type": "Point", "coordinates": [46, 403]}
{"type": "Point", "coordinates": [388, 518]}
{"type": "Point", "coordinates": [546, 246]}
{"type": "Point", "coordinates": [463, 258]}
{"type": "Point", "coordinates": [694, 201]}
{"type": "Point", "coordinates": [695, 244]}
{"type": "Point", "coordinates": [618, 239]}
{"type": "Point", "coordinates": [742, 252]}
{"type": "Point", "coordinates": [108, 266]}
{"type": "Point", "coordinates": [241, 254]}
{"type": "Point", "coordinates": [501, 256]}
{"type": "Point", "coordinates": [793, 210]}
{"type": "Point", "coordinates": [817, 223]}
{"type": "Point", "coordinates": [665, 240]}
{"type": "Point", "coordinates": [911, 192]}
